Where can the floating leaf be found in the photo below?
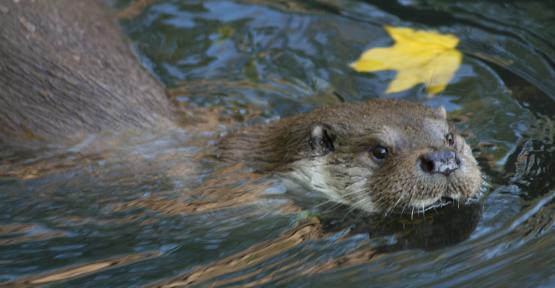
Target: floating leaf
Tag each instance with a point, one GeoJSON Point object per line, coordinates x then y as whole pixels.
{"type": "Point", "coordinates": [418, 57]}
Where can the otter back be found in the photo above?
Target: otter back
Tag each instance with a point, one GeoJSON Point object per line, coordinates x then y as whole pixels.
{"type": "Point", "coordinates": [65, 70]}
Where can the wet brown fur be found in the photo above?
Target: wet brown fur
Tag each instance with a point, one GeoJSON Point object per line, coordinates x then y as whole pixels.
{"type": "Point", "coordinates": [66, 71]}
{"type": "Point", "coordinates": [270, 146]}
{"type": "Point", "coordinates": [407, 129]}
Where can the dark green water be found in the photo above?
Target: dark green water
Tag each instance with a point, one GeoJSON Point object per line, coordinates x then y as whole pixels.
{"type": "Point", "coordinates": [139, 216]}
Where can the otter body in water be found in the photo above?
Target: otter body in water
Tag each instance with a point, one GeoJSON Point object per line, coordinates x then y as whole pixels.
{"type": "Point", "coordinates": [378, 156]}
{"type": "Point", "coordinates": [66, 72]}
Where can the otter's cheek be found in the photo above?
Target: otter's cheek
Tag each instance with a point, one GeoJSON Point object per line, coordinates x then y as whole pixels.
{"type": "Point", "coordinates": [470, 175]}
{"type": "Point", "coordinates": [396, 182]}
{"type": "Point", "coordinates": [469, 162]}
{"type": "Point", "coordinates": [467, 152]}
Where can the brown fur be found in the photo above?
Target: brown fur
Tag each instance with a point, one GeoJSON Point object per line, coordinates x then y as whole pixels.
{"type": "Point", "coordinates": [408, 129]}
{"type": "Point", "coordinates": [65, 71]}
{"type": "Point", "coordinates": [273, 145]}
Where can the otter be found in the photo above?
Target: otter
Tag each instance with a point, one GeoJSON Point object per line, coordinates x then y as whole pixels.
{"type": "Point", "coordinates": [377, 156]}
{"type": "Point", "coordinates": [65, 71]}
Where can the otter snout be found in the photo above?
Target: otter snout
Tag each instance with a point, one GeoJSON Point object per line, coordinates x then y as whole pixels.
{"type": "Point", "coordinates": [443, 161]}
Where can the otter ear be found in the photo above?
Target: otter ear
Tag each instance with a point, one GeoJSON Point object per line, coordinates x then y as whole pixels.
{"type": "Point", "coordinates": [440, 113]}
{"type": "Point", "coordinates": [321, 139]}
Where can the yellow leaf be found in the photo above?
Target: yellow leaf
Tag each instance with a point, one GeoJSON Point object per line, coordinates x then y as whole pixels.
{"type": "Point", "coordinates": [418, 57]}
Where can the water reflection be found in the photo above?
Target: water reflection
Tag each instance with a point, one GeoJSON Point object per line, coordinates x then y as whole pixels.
{"type": "Point", "coordinates": [435, 229]}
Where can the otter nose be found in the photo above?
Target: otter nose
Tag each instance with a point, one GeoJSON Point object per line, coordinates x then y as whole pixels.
{"type": "Point", "coordinates": [440, 161]}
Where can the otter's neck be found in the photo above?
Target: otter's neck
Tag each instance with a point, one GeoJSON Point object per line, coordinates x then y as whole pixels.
{"type": "Point", "coordinates": [265, 147]}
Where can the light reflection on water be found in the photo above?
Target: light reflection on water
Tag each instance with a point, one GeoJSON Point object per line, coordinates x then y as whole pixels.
{"type": "Point", "coordinates": [160, 211]}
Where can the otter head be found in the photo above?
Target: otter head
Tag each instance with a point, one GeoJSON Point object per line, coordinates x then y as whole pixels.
{"type": "Point", "coordinates": [378, 156]}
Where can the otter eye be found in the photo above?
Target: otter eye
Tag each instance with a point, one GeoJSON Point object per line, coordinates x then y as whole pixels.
{"type": "Point", "coordinates": [450, 139]}
{"type": "Point", "coordinates": [379, 152]}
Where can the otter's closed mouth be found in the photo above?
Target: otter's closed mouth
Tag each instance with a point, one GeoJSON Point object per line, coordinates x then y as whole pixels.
{"type": "Point", "coordinates": [446, 200]}
{"type": "Point", "coordinates": [441, 202]}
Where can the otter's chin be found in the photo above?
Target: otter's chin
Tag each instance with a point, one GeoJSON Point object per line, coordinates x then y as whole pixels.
{"type": "Point", "coordinates": [429, 204]}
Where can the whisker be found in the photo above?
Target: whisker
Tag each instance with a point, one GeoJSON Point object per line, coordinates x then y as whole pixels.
{"type": "Point", "coordinates": [395, 205]}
